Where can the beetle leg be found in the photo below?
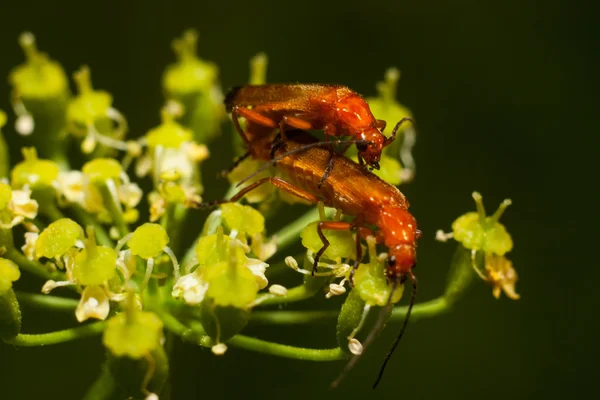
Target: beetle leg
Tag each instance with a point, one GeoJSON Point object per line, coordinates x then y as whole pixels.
{"type": "Point", "coordinates": [236, 123]}
{"type": "Point", "coordinates": [329, 131]}
{"type": "Point", "coordinates": [275, 181]}
{"type": "Point", "coordinates": [255, 117]}
{"type": "Point", "coordinates": [296, 122]}
{"type": "Point", "coordinates": [330, 226]}
{"type": "Point", "coordinates": [277, 142]}
{"type": "Point", "coordinates": [362, 232]}
{"type": "Point", "coordinates": [361, 161]}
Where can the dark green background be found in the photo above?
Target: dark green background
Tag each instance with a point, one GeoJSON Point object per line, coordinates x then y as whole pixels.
{"type": "Point", "coordinates": [504, 96]}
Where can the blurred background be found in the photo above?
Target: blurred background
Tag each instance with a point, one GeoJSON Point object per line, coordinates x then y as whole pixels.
{"type": "Point", "coordinates": [504, 99]}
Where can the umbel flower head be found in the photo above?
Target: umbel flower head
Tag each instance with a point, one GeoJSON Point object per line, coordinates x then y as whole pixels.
{"type": "Point", "coordinates": [148, 242]}
{"type": "Point", "coordinates": [172, 158]}
{"type": "Point", "coordinates": [36, 83]}
{"type": "Point", "coordinates": [74, 222]}
{"type": "Point", "coordinates": [133, 333]}
{"type": "Point", "coordinates": [397, 162]}
{"type": "Point", "coordinates": [91, 116]}
{"type": "Point", "coordinates": [224, 272]}
{"type": "Point", "coordinates": [481, 233]}
{"type": "Point", "coordinates": [88, 266]}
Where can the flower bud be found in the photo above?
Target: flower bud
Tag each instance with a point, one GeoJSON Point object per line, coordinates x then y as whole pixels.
{"type": "Point", "coordinates": [94, 265]}
{"type": "Point", "coordinates": [372, 285]}
{"type": "Point", "coordinates": [99, 170]}
{"type": "Point", "coordinates": [477, 231]}
{"type": "Point", "coordinates": [193, 83]}
{"type": "Point", "coordinates": [386, 107]}
{"type": "Point", "coordinates": [133, 334]}
{"type": "Point", "coordinates": [40, 97]}
{"type": "Point", "coordinates": [243, 219]}
{"type": "Point", "coordinates": [341, 243]}
{"type": "Point", "coordinates": [10, 313]}
{"type": "Point", "coordinates": [34, 172]}
{"type": "Point", "coordinates": [148, 241]}
{"type": "Point", "coordinates": [58, 238]}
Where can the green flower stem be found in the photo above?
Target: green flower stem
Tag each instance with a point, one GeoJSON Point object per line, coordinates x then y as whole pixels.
{"type": "Point", "coordinates": [152, 295]}
{"type": "Point", "coordinates": [52, 212]}
{"type": "Point", "coordinates": [4, 160]}
{"type": "Point", "coordinates": [114, 207]}
{"type": "Point", "coordinates": [47, 302]}
{"type": "Point", "coordinates": [282, 350]}
{"type": "Point", "coordinates": [291, 232]}
{"type": "Point", "coordinates": [280, 267]}
{"type": "Point", "coordinates": [210, 226]}
{"type": "Point", "coordinates": [103, 387]}
{"type": "Point", "coordinates": [172, 222]}
{"type": "Point", "coordinates": [297, 293]}
{"type": "Point", "coordinates": [197, 335]}
{"type": "Point", "coordinates": [33, 267]}
{"type": "Point", "coordinates": [66, 335]}
{"type": "Point", "coordinates": [459, 281]}
{"type": "Point", "coordinates": [88, 220]}
{"type": "Point", "coordinates": [428, 309]}
{"type": "Point", "coordinates": [165, 219]}
{"type": "Point", "coordinates": [282, 317]}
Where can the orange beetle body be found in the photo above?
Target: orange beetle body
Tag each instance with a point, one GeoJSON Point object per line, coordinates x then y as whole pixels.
{"type": "Point", "coordinates": [335, 109]}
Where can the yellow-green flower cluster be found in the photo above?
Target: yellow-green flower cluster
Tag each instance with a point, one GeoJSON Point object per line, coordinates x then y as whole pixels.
{"type": "Point", "coordinates": [224, 273]}
{"type": "Point", "coordinates": [90, 267]}
{"type": "Point", "coordinates": [481, 233]}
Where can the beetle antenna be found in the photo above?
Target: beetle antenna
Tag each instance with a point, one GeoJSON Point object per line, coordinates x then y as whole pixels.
{"type": "Point", "coordinates": [390, 139]}
{"type": "Point", "coordinates": [370, 338]}
{"type": "Point", "coordinates": [298, 150]}
{"type": "Point", "coordinates": [413, 296]}
{"type": "Point", "coordinates": [236, 163]}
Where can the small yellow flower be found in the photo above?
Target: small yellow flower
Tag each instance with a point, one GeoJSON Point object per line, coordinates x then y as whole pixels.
{"type": "Point", "coordinates": [263, 250]}
{"type": "Point", "coordinates": [175, 159]}
{"type": "Point", "coordinates": [501, 275]}
{"type": "Point", "coordinates": [70, 187]}
{"type": "Point", "coordinates": [157, 206]}
{"type": "Point", "coordinates": [143, 165]}
{"type": "Point", "coordinates": [21, 206]}
{"type": "Point", "coordinates": [192, 287]}
{"type": "Point", "coordinates": [258, 269]}
{"type": "Point", "coordinates": [126, 263]}
{"type": "Point", "coordinates": [9, 272]}
{"type": "Point", "coordinates": [93, 304]}
{"type": "Point", "coordinates": [29, 246]}
{"type": "Point", "coordinates": [93, 201]}
{"type": "Point", "coordinates": [196, 152]}
{"type": "Point", "coordinates": [130, 194]}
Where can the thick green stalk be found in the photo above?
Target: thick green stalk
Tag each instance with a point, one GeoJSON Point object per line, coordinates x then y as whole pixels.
{"type": "Point", "coordinates": [297, 293]}
{"type": "Point", "coordinates": [114, 207]}
{"type": "Point", "coordinates": [4, 159]}
{"type": "Point", "coordinates": [44, 301]}
{"type": "Point", "coordinates": [86, 219]}
{"type": "Point", "coordinates": [103, 387]}
{"type": "Point", "coordinates": [282, 350]}
{"type": "Point", "coordinates": [196, 336]}
{"type": "Point", "coordinates": [66, 335]}
{"type": "Point", "coordinates": [33, 267]}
